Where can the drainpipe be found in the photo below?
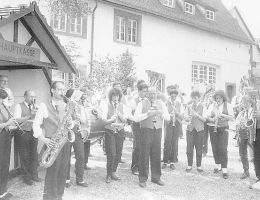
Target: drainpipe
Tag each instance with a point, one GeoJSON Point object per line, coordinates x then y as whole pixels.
{"type": "Point", "coordinates": [92, 38]}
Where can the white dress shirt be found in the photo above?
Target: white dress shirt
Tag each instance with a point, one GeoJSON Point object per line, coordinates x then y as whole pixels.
{"type": "Point", "coordinates": [140, 116]}
{"type": "Point", "coordinates": [105, 111]}
{"type": "Point", "coordinates": [18, 110]}
{"type": "Point", "coordinates": [41, 114]}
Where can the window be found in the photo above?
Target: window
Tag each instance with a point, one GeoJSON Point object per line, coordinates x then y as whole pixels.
{"type": "Point", "coordinates": [132, 31]}
{"type": "Point", "coordinates": [189, 8]}
{"type": "Point", "coordinates": [203, 73]}
{"type": "Point", "coordinates": [127, 27]}
{"type": "Point", "coordinates": [210, 15]}
{"type": "Point", "coordinates": [120, 29]}
{"type": "Point", "coordinates": [169, 3]}
{"type": "Point", "coordinates": [75, 24]}
{"type": "Point", "coordinates": [59, 22]}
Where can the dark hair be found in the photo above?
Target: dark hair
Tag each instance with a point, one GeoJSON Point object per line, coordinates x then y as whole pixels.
{"type": "Point", "coordinates": [114, 92]}
{"type": "Point", "coordinates": [3, 94]}
{"type": "Point", "coordinates": [142, 86]}
{"type": "Point", "coordinates": [54, 85]}
{"type": "Point", "coordinates": [173, 91]}
{"type": "Point", "coordinates": [139, 82]}
{"type": "Point", "coordinates": [195, 94]}
{"type": "Point", "coordinates": [220, 93]}
{"type": "Point", "coordinates": [68, 94]}
{"type": "Point", "coordinates": [3, 76]}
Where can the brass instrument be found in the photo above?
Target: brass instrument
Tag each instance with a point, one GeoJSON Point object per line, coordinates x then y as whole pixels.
{"type": "Point", "coordinates": [11, 115]}
{"type": "Point", "coordinates": [60, 138]}
{"type": "Point", "coordinates": [117, 124]}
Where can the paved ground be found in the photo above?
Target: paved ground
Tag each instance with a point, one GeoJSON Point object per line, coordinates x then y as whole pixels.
{"type": "Point", "coordinates": [179, 184]}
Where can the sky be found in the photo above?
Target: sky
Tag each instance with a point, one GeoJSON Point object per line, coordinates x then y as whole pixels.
{"type": "Point", "coordinates": [249, 9]}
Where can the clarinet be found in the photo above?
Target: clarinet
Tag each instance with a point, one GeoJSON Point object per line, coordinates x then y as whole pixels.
{"type": "Point", "coordinates": [11, 115]}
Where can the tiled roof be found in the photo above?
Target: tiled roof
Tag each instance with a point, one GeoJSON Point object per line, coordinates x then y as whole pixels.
{"type": "Point", "coordinates": [224, 23]}
{"type": "Point", "coordinates": [37, 22]}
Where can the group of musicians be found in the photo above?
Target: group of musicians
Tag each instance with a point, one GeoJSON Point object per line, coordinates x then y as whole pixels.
{"type": "Point", "coordinates": [149, 115]}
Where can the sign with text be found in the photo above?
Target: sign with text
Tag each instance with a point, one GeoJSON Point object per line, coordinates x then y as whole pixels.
{"type": "Point", "coordinates": [18, 51]}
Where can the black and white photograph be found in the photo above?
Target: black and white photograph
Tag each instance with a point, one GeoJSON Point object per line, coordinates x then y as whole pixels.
{"type": "Point", "coordinates": [129, 100]}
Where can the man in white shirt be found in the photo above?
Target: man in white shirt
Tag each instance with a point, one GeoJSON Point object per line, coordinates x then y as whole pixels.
{"type": "Point", "coordinates": [24, 112]}
{"type": "Point", "coordinates": [150, 113]}
{"type": "Point", "coordinates": [9, 101]}
{"type": "Point", "coordinates": [48, 117]}
{"type": "Point", "coordinates": [142, 90]}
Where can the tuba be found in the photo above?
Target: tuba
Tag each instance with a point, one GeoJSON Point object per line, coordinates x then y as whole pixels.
{"type": "Point", "coordinates": [60, 138]}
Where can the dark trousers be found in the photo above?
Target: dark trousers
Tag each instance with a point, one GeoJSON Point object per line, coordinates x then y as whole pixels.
{"type": "Point", "coordinates": [136, 146]}
{"type": "Point", "coordinates": [170, 151]}
{"type": "Point", "coordinates": [150, 148]}
{"type": "Point", "coordinates": [243, 153]}
{"type": "Point", "coordinates": [205, 138]}
{"type": "Point", "coordinates": [86, 151]}
{"type": "Point", "coordinates": [194, 139]}
{"type": "Point", "coordinates": [5, 150]}
{"type": "Point", "coordinates": [256, 147]}
{"type": "Point", "coordinates": [27, 148]}
{"type": "Point", "coordinates": [55, 178]}
{"type": "Point", "coordinates": [78, 147]}
{"type": "Point", "coordinates": [114, 146]}
{"type": "Point", "coordinates": [219, 143]}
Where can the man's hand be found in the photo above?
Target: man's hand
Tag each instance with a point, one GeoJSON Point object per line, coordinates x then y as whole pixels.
{"type": "Point", "coordinates": [49, 142]}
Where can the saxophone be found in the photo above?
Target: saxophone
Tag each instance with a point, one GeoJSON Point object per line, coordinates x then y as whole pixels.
{"type": "Point", "coordinates": [60, 138]}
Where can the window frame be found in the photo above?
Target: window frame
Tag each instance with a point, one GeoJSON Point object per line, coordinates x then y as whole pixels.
{"type": "Point", "coordinates": [205, 72]}
{"type": "Point", "coordinates": [186, 5]}
{"type": "Point", "coordinates": [167, 3]}
{"type": "Point", "coordinates": [208, 15]}
{"type": "Point", "coordinates": [59, 22]}
{"type": "Point", "coordinates": [75, 25]}
{"type": "Point", "coordinates": [128, 19]}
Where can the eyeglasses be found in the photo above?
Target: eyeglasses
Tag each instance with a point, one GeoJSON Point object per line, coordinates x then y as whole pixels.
{"type": "Point", "coordinates": [5, 81]}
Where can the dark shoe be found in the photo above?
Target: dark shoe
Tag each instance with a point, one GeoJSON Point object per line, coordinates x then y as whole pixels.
{"type": "Point", "coordinates": [82, 184]}
{"type": "Point", "coordinates": [188, 169]}
{"type": "Point", "coordinates": [121, 161]}
{"type": "Point", "coordinates": [115, 177]}
{"type": "Point", "coordinates": [142, 184]}
{"type": "Point", "coordinates": [225, 175]}
{"type": "Point", "coordinates": [87, 167]}
{"type": "Point", "coordinates": [172, 166]}
{"type": "Point", "coordinates": [108, 179]}
{"type": "Point", "coordinates": [27, 181]}
{"type": "Point", "coordinates": [7, 196]}
{"type": "Point", "coordinates": [245, 175]}
{"type": "Point", "coordinates": [216, 170]}
{"type": "Point", "coordinates": [159, 182]}
{"type": "Point", "coordinates": [200, 170]}
{"type": "Point", "coordinates": [68, 184]}
{"type": "Point", "coordinates": [164, 165]}
{"type": "Point", "coordinates": [36, 179]}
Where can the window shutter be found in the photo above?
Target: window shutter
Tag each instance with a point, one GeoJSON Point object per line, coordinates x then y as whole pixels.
{"type": "Point", "coordinates": [84, 26]}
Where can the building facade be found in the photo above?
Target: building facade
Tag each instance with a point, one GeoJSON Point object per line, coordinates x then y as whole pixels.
{"type": "Point", "coordinates": [185, 41]}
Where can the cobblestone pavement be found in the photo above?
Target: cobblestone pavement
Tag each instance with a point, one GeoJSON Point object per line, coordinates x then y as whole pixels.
{"type": "Point", "coordinates": [179, 184]}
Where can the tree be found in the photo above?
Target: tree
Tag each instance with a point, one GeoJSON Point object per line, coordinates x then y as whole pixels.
{"type": "Point", "coordinates": [108, 70]}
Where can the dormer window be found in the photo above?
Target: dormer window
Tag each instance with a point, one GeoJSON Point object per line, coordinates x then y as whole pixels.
{"type": "Point", "coordinates": [189, 8]}
{"type": "Point", "coordinates": [210, 15]}
{"type": "Point", "coordinates": [168, 3]}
